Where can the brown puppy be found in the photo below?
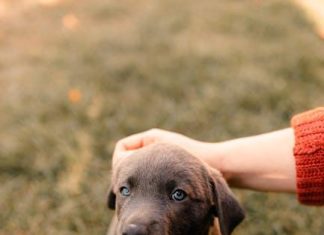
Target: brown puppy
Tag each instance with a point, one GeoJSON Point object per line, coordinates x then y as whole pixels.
{"type": "Point", "coordinates": [163, 190]}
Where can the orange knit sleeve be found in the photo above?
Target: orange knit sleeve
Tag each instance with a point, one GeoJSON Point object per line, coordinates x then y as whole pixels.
{"type": "Point", "coordinates": [309, 156]}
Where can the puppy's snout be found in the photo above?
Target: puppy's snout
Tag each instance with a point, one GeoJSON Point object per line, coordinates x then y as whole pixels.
{"type": "Point", "coordinates": [135, 229]}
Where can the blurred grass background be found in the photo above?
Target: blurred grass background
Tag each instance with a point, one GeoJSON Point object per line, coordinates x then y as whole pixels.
{"type": "Point", "coordinates": [75, 76]}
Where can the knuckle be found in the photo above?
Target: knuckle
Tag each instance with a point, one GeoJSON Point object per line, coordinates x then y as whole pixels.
{"type": "Point", "coordinates": [154, 131]}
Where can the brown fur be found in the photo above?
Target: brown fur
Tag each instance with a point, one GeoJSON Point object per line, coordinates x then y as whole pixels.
{"type": "Point", "coordinates": [152, 174]}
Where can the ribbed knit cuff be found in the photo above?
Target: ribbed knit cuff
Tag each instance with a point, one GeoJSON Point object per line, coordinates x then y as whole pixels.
{"type": "Point", "coordinates": [309, 156]}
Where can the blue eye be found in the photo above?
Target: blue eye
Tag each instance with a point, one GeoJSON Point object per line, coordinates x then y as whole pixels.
{"type": "Point", "coordinates": [178, 195]}
{"type": "Point", "coordinates": [124, 191]}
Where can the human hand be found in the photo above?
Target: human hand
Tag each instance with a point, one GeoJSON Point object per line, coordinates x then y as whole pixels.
{"type": "Point", "coordinates": [262, 162]}
{"type": "Point", "coordinates": [132, 143]}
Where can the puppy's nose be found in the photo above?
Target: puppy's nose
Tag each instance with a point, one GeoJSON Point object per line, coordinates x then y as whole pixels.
{"type": "Point", "coordinates": [135, 229]}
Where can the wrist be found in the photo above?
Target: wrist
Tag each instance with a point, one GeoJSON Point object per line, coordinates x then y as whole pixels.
{"type": "Point", "coordinates": [215, 155]}
{"type": "Point", "coordinates": [220, 157]}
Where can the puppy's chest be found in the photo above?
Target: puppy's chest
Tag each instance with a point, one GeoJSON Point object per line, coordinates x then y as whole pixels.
{"type": "Point", "coordinates": [215, 230]}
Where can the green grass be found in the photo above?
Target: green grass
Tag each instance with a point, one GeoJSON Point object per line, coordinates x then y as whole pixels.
{"type": "Point", "coordinates": [213, 70]}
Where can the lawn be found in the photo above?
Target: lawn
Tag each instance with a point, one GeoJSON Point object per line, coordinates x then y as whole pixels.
{"type": "Point", "coordinates": [75, 76]}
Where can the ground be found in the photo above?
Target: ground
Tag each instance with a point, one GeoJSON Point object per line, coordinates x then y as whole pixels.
{"type": "Point", "coordinates": [75, 76]}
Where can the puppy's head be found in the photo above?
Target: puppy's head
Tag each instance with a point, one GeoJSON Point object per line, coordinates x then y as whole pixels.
{"type": "Point", "coordinates": [162, 189]}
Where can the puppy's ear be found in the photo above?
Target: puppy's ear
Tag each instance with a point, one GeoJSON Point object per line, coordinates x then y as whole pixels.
{"type": "Point", "coordinates": [111, 199]}
{"type": "Point", "coordinates": [226, 207]}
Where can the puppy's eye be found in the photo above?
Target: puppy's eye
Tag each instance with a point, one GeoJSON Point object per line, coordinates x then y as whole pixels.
{"type": "Point", "coordinates": [124, 191]}
{"type": "Point", "coordinates": [178, 195]}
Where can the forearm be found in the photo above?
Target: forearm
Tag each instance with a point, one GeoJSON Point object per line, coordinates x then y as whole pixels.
{"type": "Point", "coordinates": [263, 162]}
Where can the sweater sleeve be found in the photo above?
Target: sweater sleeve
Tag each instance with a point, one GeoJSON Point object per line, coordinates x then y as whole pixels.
{"type": "Point", "coordinates": [309, 156]}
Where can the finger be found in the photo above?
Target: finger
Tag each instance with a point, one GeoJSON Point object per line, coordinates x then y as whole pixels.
{"type": "Point", "coordinates": [119, 156]}
{"type": "Point", "coordinates": [131, 142]}
{"type": "Point", "coordinates": [124, 154]}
